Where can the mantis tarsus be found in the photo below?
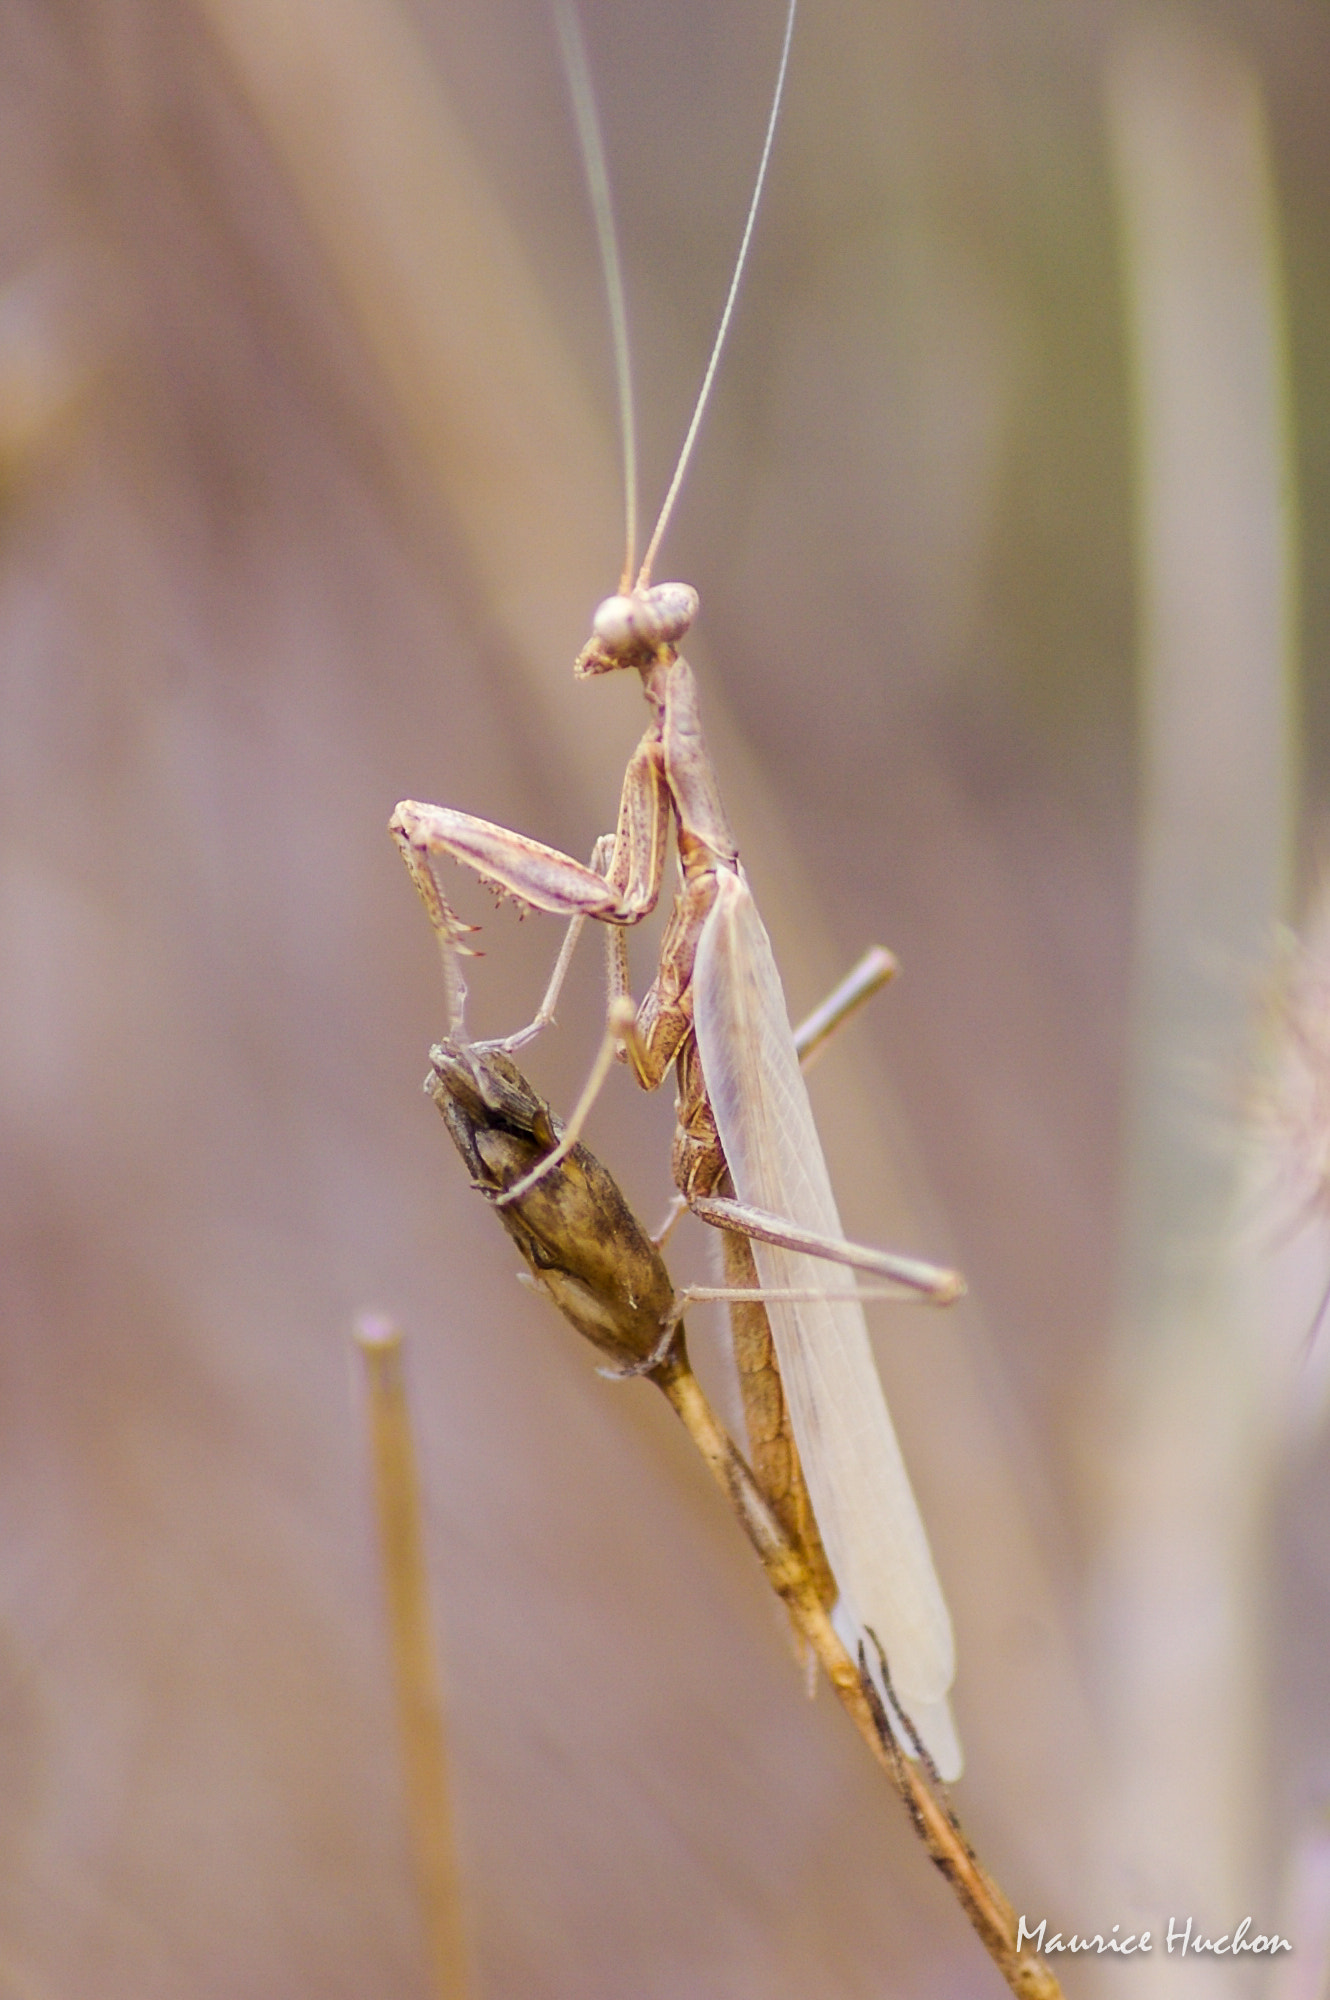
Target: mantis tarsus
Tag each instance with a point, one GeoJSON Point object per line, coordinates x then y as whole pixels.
{"type": "Point", "coordinates": [746, 1153]}
{"type": "Point", "coordinates": [586, 1251]}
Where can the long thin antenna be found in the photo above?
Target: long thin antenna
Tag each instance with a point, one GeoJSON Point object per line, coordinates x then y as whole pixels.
{"type": "Point", "coordinates": [644, 576]}
{"type": "Point", "coordinates": [590, 145]}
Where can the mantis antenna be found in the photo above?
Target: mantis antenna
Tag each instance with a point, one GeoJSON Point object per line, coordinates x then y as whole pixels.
{"type": "Point", "coordinates": [598, 185]}
{"type": "Point", "coordinates": [704, 393]}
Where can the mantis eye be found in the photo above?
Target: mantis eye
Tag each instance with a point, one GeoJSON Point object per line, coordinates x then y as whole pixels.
{"type": "Point", "coordinates": [671, 608]}
{"type": "Point", "coordinates": [614, 626]}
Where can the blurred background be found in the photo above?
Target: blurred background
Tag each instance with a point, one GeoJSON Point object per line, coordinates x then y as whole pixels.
{"type": "Point", "coordinates": [1009, 523]}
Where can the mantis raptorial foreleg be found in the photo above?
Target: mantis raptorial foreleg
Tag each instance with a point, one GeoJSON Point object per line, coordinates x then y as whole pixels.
{"type": "Point", "coordinates": [623, 893]}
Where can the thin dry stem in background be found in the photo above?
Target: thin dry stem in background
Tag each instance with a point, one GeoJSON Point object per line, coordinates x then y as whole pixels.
{"type": "Point", "coordinates": [416, 1678]}
{"type": "Point", "coordinates": [588, 1255]}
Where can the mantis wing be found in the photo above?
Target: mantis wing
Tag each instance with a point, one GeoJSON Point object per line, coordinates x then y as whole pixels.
{"type": "Point", "coordinates": [866, 1511]}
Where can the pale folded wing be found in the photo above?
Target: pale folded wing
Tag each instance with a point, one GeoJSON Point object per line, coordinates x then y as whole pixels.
{"type": "Point", "coordinates": [860, 1490]}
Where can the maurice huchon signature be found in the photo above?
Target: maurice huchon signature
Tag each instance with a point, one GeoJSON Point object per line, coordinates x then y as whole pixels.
{"type": "Point", "coordinates": [1183, 1934]}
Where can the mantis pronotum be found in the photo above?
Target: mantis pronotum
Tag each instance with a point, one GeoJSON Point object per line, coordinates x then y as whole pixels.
{"type": "Point", "coordinates": [746, 1156]}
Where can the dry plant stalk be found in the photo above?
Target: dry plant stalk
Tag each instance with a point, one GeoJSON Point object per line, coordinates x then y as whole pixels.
{"type": "Point", "coordinates": [420, 1713]}
{"type": "Point", "coordinates": [587, 1252]}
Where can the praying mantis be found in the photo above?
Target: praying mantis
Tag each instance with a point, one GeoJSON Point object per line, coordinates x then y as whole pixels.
{"type": "Point", "coordinates": [746, 1156]}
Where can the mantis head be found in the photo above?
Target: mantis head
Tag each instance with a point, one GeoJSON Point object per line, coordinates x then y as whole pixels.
{"type": "Point", "coordinates": [632, 629]}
